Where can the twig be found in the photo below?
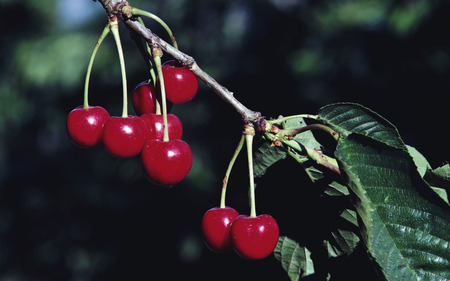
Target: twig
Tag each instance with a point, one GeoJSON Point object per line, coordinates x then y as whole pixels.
{"type": "Point", "coordinates": [122, 10]}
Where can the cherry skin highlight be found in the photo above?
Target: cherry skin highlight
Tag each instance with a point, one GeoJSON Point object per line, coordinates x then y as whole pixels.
{"type": "Point", "coordinates": [216, 225]}
{"type": "Point", "coordinates": [85, 126]}
{"type": "Point", "coordinates": [254, 238]}
{"type": "Point", "coordinates": [124, 137]}
{"type": "Point", "coordinates": [155, 126]}
{"type": "Point", "coordinates": [166, 163]}
{"type": "Point", "coordinates": [180, 83]}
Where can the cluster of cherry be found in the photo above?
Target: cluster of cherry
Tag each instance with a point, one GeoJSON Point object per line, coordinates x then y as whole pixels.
{"type": "Point", "coordinates": [252, 237]}
{"type": "Point", "coordinates": [166, 160]}
{"type": "Point", "coordinates": [156, 135]}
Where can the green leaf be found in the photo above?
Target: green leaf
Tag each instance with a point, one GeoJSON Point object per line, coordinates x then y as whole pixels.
{"type": "Point", "coordinates": [336, 189]}
{"type": "Point", "coordinates": [421, 162]}
{"type": "Point", "coordinates": [265, 156]}
{"type": "Point", "coordinates": [405, 229]}
{"type": "Point", "coordinates": [306, 138]}
{"type": "Point", "coordinates": [423, 167]}
{"type": "Point", "coordinates": [300, 141]}
{"type": "Point", "coordinates": [439, 180]}
{"type": "Point", "coordinates": [344, 238]}
{"type": "Point", "coordinates": [351, 118]}
{"type": "Point", "coordinates": [295, 259]}
{"type": "Point", "coordinates": [407, 235]}
{"type": "Point", "coordinates": [439, 177]}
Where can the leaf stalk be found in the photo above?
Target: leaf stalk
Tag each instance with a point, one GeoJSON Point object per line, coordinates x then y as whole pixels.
{"type": "Point", "coordinates": [296, 131]}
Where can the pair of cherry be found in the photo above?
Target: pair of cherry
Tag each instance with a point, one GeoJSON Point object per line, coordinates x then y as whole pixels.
{"type": "Point", "coordinates": [165, 161]}
{"type": "Point", "coordinates": [252, 238]}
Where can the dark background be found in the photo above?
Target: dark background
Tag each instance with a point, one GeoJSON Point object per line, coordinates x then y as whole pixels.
{"type": "Point", "coordinates": [79, 214]}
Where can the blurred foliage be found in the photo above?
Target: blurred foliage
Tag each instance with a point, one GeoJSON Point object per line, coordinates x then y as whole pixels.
{"type": "Point", "coordinates": [73, 214]}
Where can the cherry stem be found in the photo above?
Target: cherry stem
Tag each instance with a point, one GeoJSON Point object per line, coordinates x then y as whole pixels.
{"type": "Point", "coordinates": [249, 133]}
{"type": "Point", "coordinates": [138, 12]}
{"type": "Point", "coordinates": [157, 54]}
{"type": "Point", "coordinates": [149, 51]}
{"type": "Point", "coordinates": [152, 70]}
{"type": "Point", "coordinates": [227, 173]}
{"type": "Point", "coordinates": [105, 32]}
{"type": "Point", "coordinates": [114, 23]}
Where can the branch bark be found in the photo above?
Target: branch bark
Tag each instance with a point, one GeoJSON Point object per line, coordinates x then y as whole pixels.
{"type": "Point", "coordinates": [121, 9]}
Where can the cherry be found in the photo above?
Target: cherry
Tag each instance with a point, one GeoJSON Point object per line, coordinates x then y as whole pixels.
{"type": "Point", "coordinates": [155, 126]}
{"type": "Point", "coordinates": [216, 225]}
{"type": "Point", "coordinates": [144, 98]}
{"type": "Point", "coordinates": [124, 136]}
{"type": "Point", "coordinates": [254, 238]}
{"type": "Point", "coordinates": [85, 126]}
{"type": "Point", "coordinates": [180, 83]}
{"type": "Point", "coordinates": [166, 162]}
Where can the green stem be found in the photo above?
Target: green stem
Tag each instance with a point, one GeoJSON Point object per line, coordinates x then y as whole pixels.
{"type": "Point", "coordinates": [149, 51]}
{"type": "Point", "coordinates": [115, 31]}
{"type": "Point", "coordinates": [227, 173]}
{"type": "Point", "coordinates": [282, 119]}
{"type": "Point", "coordinates": [151, 69]}
{"type": "Point", "coordinates": [296, 131]}
{"type": "Point", "coordinates": [138, 12]}
{"type": "Point", "coordinates": [313, 154]}
{"type": "Point", "coordinates": [157, 54]}
{"type": "Point", "coordinates": [249, 134]}
{"type": "Point", "coordinates": [105, 32]}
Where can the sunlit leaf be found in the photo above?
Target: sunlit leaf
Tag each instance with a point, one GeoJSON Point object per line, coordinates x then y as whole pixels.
{"type": "Point", "coordinates": [337, 189]}
{"type": "Point", "coordinates": [424, 168]}
{"type": "Point", "coordinates": [439, 180]}
{"type": "Point", "coordinates": [351, 118]}
{"type": "Point", "coordinates": [420, 161]}
{"type": "Point", "coordinates": [439, 177]}
{"type": "Point", "coordinates": [295, 259]}
{"type": "Point", "coordinates": [306, 138]}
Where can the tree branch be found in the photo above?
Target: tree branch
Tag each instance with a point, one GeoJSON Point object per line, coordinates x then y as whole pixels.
{"type": "Point", "coordinates": [122, 10]}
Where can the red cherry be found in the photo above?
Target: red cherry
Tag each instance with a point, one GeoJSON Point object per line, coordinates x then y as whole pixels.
{"type": "Point", "coordinates": [155, 126]}
{"type": "Point", "coordinates": [254, 238]}
{"type": "Point", "coordinates": [85, 126]}
{"type": "Point", "coordinates": [180, 83]}
{"type": "Point", "coordinates": [166, 163]}
{"type": "Point", "coordinates": [216, 225]}
{"type": "Point", "coordinates": [144, 98]}
{"type": "Point", "coordinates": [124, 136]}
